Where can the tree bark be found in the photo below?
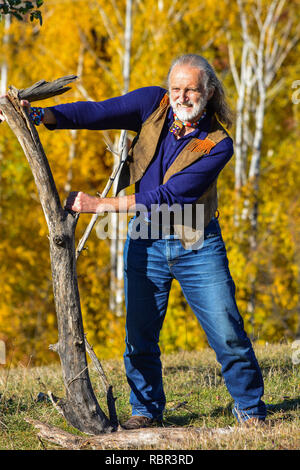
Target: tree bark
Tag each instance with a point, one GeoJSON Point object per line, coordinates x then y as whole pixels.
{"type": "Point", "coordinates": [158, 438]}
{"type": "Point", "coordinates": [80, 406]}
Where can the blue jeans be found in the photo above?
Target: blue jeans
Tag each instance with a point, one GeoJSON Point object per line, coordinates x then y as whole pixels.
{"type": "Point", "coordinates": [204, 277]}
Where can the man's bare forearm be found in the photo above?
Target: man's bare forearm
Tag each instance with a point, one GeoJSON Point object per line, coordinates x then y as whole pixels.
{"type": "Point", "coordinates": [116, 204]}
{"type": "Point", "coordinates": [86, 204]}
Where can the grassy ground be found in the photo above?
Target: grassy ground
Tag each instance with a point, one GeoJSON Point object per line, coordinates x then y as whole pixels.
{"type": "Point", "coordinates": [196, 396]}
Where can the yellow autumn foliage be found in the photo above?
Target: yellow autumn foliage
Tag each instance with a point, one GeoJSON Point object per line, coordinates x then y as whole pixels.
{"type": "Point", "coordinates": [87, 38]}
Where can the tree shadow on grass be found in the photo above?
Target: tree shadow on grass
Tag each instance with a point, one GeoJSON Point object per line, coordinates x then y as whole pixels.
{"type": "Point", "coordinates": [168, 370]}
{"type": "Point", "coordinates": [286, 405]}
{"type": "Point", "coordinates": [275, 412]}
{"type": "Point", "coordinates": [181, 420]}
{"type": "Point", "coordinates": [189, 417]}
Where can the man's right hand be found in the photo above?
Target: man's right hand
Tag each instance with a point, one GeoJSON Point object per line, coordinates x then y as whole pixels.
{"type": "Point", "coordinates": [49, 117]}
{"type": "Point", "coordinates": [23, 103]}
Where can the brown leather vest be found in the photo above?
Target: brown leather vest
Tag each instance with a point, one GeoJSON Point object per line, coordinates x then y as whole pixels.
{"type": "Point", "coordinates": [143, 149]}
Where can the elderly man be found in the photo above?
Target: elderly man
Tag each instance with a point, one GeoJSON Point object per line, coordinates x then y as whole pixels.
{"type": "Point", "coordinates": [178, 153]}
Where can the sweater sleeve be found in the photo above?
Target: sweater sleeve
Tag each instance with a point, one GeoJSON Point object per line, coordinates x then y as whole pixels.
{"type": "Point", "coordinates": [187, 186]}
{"type": "Point", "coordinates": [128, 111]}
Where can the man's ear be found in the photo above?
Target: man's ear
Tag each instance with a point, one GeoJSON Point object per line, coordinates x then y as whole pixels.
{"type": "Point", "coordinates": [210, 93]}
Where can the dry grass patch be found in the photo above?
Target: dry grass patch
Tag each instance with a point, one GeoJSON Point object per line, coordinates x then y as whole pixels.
{"type": "Point", "coordinates": [196, 398]}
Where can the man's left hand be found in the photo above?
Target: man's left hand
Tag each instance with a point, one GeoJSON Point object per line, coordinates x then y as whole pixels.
{"type": "Point", "coordinates": [78, 201]}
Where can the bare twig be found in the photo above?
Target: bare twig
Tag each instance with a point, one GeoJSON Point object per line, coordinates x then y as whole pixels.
{"type": "Point", "coordinates": [94, 218]}
{"type": "Point", "coordinates": [107, 387]}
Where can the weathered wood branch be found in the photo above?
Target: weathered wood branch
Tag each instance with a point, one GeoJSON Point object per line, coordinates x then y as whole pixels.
{"type": "Point", "coordinates": [42, 90]}
{"type": "Point", "coordinates": [80, 407]}
{"type": "Point", "coordinates": [158, 438]}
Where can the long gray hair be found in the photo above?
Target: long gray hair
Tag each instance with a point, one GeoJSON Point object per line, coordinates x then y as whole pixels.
{"type": "Point", "coordinates": [217, 103]}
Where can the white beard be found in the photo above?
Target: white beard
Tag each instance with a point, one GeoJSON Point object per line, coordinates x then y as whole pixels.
{"type": "Point", "coordinates": [188, 114]}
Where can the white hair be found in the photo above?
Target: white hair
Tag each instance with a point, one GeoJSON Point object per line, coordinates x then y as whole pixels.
{"type": "Point", "coordinates": [217, 103]}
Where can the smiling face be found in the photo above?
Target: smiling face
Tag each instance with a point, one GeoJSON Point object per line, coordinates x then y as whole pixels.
{"type": "Point", "coordinates": [188, 96]}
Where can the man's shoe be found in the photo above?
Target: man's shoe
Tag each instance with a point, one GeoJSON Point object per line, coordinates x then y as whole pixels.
{"type": "Point", "coordinates": [137, 422]}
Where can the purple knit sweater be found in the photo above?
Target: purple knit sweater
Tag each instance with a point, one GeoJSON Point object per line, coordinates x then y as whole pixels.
{"type": "Point", "coordinates": [129, 112]}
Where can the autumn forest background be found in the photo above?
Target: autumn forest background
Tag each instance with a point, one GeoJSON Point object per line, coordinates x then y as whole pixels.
{"type": "Point", "coordinates": [119, 45]}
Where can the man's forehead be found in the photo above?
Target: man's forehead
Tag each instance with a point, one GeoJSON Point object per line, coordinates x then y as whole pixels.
{"type": "Point", "coordinates": [186, 71]}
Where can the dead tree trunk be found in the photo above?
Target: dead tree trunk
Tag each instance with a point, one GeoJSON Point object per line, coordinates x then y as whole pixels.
{"type": "Point", "coordinates": [80, 406]}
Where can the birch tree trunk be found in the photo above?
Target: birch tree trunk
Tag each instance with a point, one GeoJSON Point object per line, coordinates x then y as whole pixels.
{"type": "Point", "coordinates": [119, 222]}
{"type": "Point", "coordinates": [263, 52]}
{"type": "Point", "coordinates": [240, 156]}
{"type": "Point", "coordinates": [4, 66]}
{"type": "Point", "coordinates": [73, 132]}
{"type": "Point", "coordinates": [3, 83]}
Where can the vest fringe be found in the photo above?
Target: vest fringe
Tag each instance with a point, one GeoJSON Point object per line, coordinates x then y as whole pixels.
{"type": "Point", "coordinates": [204, 146]}
{"type": "Point", "coordinates": [165, 100]}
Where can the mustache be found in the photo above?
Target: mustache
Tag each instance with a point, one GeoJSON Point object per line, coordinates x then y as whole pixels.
{"type": "Point", "coordinates": [184, 104]}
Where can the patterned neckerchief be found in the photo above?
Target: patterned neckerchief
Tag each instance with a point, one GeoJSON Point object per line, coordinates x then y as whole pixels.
{"type": "Point", "coordinates": [178, 125]}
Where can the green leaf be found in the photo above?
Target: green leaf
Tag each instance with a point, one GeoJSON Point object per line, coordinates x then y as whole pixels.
{"type": "Point", "coordinates": [36, 15]}
{"type": "Point", "coordinates": [5, 8]}
{"type": "Point", "coordinates": [29, 5]}
{"type": "Point", "coordinates": [17, 15]}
